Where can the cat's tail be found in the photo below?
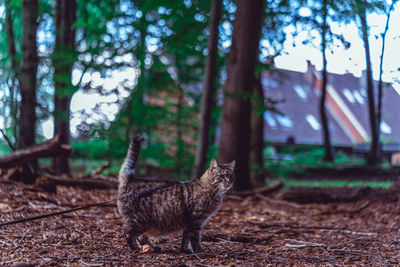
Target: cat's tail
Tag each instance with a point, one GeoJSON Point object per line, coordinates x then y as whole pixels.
{"type": "Point", "coordinates": [127, 172]}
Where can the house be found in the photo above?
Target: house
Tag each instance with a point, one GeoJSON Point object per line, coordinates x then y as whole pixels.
{"type": "Point", "coordinates": [346, 103]}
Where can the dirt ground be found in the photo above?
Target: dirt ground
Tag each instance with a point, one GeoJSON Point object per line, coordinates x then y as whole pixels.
{"type": "Point", "coordinates": [246, 231]}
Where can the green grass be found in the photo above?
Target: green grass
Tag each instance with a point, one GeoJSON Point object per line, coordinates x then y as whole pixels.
{"type": "Point", "coordinates": [334, 183]}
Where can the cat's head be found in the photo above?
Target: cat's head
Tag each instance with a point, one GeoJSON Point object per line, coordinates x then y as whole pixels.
{"type": "Point", "coordinates": [221, 175]}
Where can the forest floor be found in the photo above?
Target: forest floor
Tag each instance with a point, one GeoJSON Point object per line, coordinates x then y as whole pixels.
{"type": "Point", "coordinates": [246, 231]}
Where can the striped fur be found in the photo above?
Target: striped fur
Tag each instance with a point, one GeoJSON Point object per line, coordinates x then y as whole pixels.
{"type": "Point", "coordinates": [127, 172]}
{"type": "Point", "coordinates": [157, 208]}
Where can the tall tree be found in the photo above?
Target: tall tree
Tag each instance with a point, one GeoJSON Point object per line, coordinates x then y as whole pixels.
{"type": "Point", "coordinates": [235, 129]}
{"type": "Point", "coordinates": [12, 52]}
{"type": "Point", "coordinates": [257, 134]}
{"type": "Point", "coordinates": [207, 101]}
{"type": "Point", "coordinates": [63, 59]}
{"type": "Point", "coordinates": [324, 119]}
{"type": "Point", "coordinates": [27, 118]}
{"type": "Point", "coordinates": [380, 82]}
{"type": "Point", "coordinates": [373, 155]}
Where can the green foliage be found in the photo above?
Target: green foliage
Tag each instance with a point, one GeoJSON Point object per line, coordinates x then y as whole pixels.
{"type": "Point", "coordinates": [333, 183]}
{"type": "Point", "coordinates": [296, 159]}
{"type": "Point", "coordinates": [166, 46]}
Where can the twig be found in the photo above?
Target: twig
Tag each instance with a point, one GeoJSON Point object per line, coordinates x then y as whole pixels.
{"type": "Point", "coordinates": [50, 206]}
{"type": "Point", "coordinates": [90, 264]}
{"type": "Point", "coordinates": [353, 251]}
{"type": "Point", "coordinates": [351, 240]}
{"type": "Point", "coordinates": [358, 210]}
{"type": "Point", "coordinates": [228, 251]}
{"type": "Point", "coordinates": [96, 172]}
{"type": "Point", "coordinates": [8, 140]}
{"type": "Point", "coordinates": [320, 228]}
{"type": "Point", "coordinates": [351, 232]}
{"type": "Point", "coordinates": [203, 265]}
{"type": "Point", "coordinates": [5, 243]}
{"type": "Point", "coordinates": [11, 261]}
{"type": "Point", "coordinates": [303, 244]}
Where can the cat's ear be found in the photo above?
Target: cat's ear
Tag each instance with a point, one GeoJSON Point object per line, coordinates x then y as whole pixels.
{"type": "Point", "coordinates": [213, 163]}
{"type": "Point", "coordinates": [231, 164]}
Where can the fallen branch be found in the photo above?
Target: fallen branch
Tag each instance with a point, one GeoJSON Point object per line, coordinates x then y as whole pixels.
{"type": "Point", "coordinates": [84, 183]}
{"type": "Point", "coordinates": [267, 190]}
{"type": "Point", "coordinates": [49, 148]}
{"type": "Point", "coordinates": [350, 212]}
{"type": "Point", "coordinates": [96, 172]}
{"type": "Point", "coordinates": [304, 195]}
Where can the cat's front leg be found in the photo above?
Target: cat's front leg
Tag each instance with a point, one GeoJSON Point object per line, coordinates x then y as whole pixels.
{"type": "Point", "coordinates": [185, 243]}
{"type": "Point", "coordinates": [131, 236]}
{"type": "Point", "coordinates": [195, 240]}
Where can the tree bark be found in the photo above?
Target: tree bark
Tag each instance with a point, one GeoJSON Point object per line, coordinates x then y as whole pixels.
{"type": "Point", "coordinates": [180, 145]}
{"type": "Point", "coordinates": [12, 52]}
{"type": "Point", "coordinates": [257, 135]}
{"type": "Point", "coordinates": [324, 119]}
{"type": "Point", "coordinates": [373, 156]}
{"type": "Point", "coordinates": [27, 118]}
{"type": "Point", "coordinates": [380, 82]}
{"type": "Point", "coordinates": [207, 101]}
{"type": "Point", "coordinates": [28, 74]}
{"type": "Point", "coordinates": [63, 60]}
{"type": "Point", "coordinates": [235, 129]}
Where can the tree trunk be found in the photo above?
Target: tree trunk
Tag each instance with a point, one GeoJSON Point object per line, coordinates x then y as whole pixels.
{"type": "Point", "coordinates": [13, 104]}
{"type": "Point", "coordinates": [373, 156]}
{"type": "Point", "coordinates": [207, 101]}
{"type": "Point", "coordinates": [257, 135]}
{"type": "Point", "coordinates": [27, 118]}
{"type": "Point", "coordinates": [180, 145]}
{"type": "Point", "coordinates": [235, 129]}
{"type": "Point", "coordinates": [380, 82]}
{"type": "Point", "coordinates": [63, 60]}
{"type": "Point", "coordinates": [324, 119]}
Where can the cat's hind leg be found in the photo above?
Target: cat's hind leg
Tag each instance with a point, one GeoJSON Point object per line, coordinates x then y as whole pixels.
{"type": "Point", "coordinates": [194, 235]}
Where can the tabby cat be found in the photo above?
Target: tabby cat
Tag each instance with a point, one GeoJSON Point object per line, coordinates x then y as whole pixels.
{"type": "Point", "coordinates": [156, 208]}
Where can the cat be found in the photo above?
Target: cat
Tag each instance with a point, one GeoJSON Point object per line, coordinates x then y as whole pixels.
{"type": "Point", "coordinates": [157, 208]}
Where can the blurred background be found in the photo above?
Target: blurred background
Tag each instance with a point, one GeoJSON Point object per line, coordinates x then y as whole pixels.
{"type": "Point", "coordinates": [322, 90]}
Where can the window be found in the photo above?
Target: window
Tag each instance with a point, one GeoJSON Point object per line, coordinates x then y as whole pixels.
{"type": "Point", "coordinates": [269, 83]}
{"type": "Point", "coordinates": [358, 97]}
{"type": "Point", "coordinates": [270, 119]}
{"type": "Point", "coordinates": [300, 92]}
{"type": "Point", "coordinates": [385, 128]}
{"type": "Point", "coordinates": [313, 122]}
{"type": "Point", "coordinates": [363, 92]}
{"type": "Point", "coordinates": [284, 121]}
{"type": "Point", "coordinates": [349, 96]}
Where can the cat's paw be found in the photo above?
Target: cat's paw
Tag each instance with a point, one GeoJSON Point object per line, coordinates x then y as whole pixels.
{"type": "Point", "coordinates": [186, 251]}
{"type": "Point", "coordinates": [156, 249]}
{"type": "Point", "coordinates": [199, 250]}
{"type": "Point", "coordinates": [133, 246]}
